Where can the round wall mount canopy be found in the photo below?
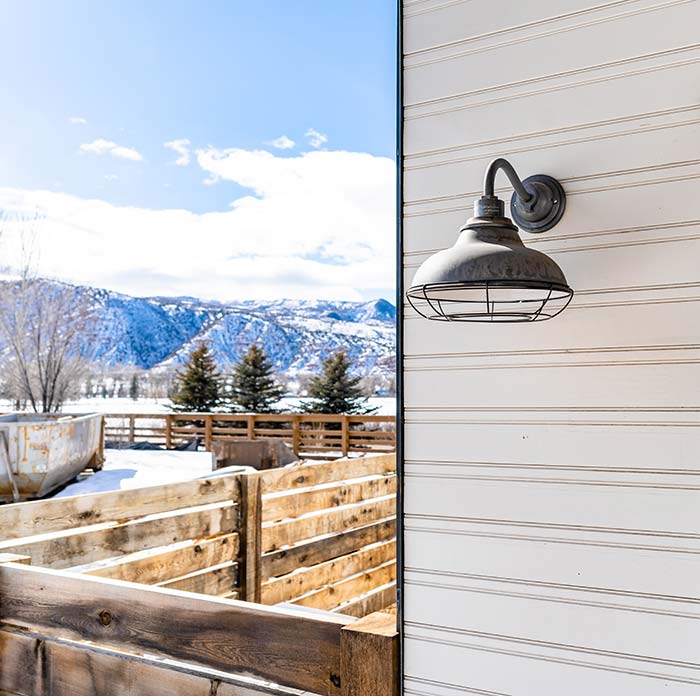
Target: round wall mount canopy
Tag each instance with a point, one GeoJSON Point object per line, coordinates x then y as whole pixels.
{"type": "Point", "coordinates": [489, 275]}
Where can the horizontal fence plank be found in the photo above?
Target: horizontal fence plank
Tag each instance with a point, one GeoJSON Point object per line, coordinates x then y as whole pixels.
{"type": "Point", "coordinates": [84, 545]}
{"type": "Point", "coordinates": [350, 588]}
{"type": "Point", "coordinates": [315, 474]}
{"type": "Point", "coordinates": [297, 502]}
{"type": "Point", "coordinates": [216, 580]}
{"type": "Point", "coordinates": [304, 580]}
{"type": "Point", "coordinates": [36, 665]}
{"type": "Point", "coordinates": [42, 516]}
{"type": "Point", "coordinates": [310, 553]}
{"type": "Point", "coordinates": [275, 535]}
{"type": "Point", "coordinates": [284, 646]}
{"type": "Point", "coordinates": [164, 564]}
{"type": "Point", "coordinates": [378, 599]}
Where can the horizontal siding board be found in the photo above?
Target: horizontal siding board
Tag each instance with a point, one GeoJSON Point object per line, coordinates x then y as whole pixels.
{"type": "Point", "coordinates": [554, 439]}
{"type": "Point", "coordinates": [502, 667]}
{"type": "Point", "coordinates": [640, 566]}
{"type": "Point", "coordinates": [618, 41]}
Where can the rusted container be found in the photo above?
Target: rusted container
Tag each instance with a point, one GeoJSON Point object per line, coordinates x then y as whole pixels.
{"type": "Point", "coordinates": [40, 452]}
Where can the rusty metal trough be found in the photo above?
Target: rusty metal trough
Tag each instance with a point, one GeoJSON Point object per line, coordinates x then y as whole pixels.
{"type": "Point", "coordinates": [40, 452]}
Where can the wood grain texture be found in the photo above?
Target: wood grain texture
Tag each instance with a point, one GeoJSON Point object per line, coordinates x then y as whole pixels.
{"type": "Point", "coordinates": [326, 522]}
{"type": "Point", "coordinates": [294, 503]}
{"type": "Point", "coordinates": [309, 553]}
{"type": "Point", "coordinates": [35, 665]}
{"type": "Point", "coordinates": [44, 516]}
{"type": "Point", "coordinates": [304, 580]}
{"type": "Point", "coordinates": [251, 537]}
{"type": "Point", "coordinates": [283, 646]}
{"type": "Point", "coordinates": [160, 565]}
{"type": "Point", "coordinates": [333, 595]}
{"type": "Point", "coordinates": [316, 474]}
{"type": "Point", "coordinates": [370, 656]}
{"type": "Point", "coordinates": [88, 544]}
{"type": "Point", "coordinates": [219, 580]}
{"type": "Point", "coordinates": [382, 598]}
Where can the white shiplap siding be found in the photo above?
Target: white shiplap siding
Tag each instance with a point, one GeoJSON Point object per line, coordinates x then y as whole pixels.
{"type": "Point", "coordinates": [552, 471]}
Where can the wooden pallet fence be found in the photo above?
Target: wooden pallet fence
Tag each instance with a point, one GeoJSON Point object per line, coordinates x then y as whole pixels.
{"type": "Point", "coordinates": [311, 435]}
{"type": "Point", "coordinates": [328, 535]}
{"type": "Point", "coordinates": [183, 535]}
{"type": "Point", "coordinates": [68, 634]}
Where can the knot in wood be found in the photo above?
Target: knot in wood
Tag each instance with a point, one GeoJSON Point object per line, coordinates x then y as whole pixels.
{"type": "Point", "coordinates": [105, 618]}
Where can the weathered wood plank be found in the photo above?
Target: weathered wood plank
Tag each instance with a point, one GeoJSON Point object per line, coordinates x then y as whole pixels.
{"type": "Point", "coordinates": [333, 595]}
{"type": "Point", "coordinates": [322, 522]}
{"type": "Point", "coordinates": [160, 565]}
{"type": "Point", "coordinates": [286, 647]}
{"type": "Point", "coordinates": [305, 580]}
{"type": "Point", "coordinates": [218, 580]}
{"type": "Point", "coordinates": [381, 598]}
{"type": "Point", "coordinates": [251, 537]}
{"type": "Point", "coordinates": [35, 665]}
{"type": "Point", "coordinates": [325, 472]}
{"type": "Point", "coordinates": [88, 544]}
{"type": "Point", "coordinates": [43, 516]}
{"type": "Point", "coordinates": [278, 506]}
{"type": "Point", "coordinates": [310, 553]}
{"type": "Point", "coordinates": [370, 657]}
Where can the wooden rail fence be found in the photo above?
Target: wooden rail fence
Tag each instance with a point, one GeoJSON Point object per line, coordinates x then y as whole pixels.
{"type": "Point", "coordinates": [157, 571]}
{"type": "Point", "coordinates": [310, 435]}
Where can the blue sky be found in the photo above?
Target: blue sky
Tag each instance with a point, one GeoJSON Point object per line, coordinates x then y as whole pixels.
{"type": "Point", "coordinates": [93, 92]}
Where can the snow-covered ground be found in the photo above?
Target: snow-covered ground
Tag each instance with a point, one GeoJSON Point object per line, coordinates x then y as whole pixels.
{"type": "Point", "coordinates": [386, 406]}
{"type": "Point", "coordinates": [138, 468]}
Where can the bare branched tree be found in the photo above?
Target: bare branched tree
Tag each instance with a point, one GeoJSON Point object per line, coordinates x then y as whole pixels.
{"type": "Point", "coordinates": [41, 324]}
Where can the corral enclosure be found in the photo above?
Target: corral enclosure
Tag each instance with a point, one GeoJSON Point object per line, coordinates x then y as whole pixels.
{"type": "Point", "coordinates": [313, 435]}
{"type": "Point", "coordinates": [157, 571]}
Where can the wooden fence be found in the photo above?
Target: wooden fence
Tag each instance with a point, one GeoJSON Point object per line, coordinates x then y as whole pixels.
{"type": "Point", "coordinates": [156, 572]}
{"type": "Point", "coordinates": [310, 435]}
{"type": "Point", "coordinates": [328, 535]}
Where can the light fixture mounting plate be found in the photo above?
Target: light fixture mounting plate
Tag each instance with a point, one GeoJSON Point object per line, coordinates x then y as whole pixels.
{"type": "Point", "coordinates": [547, 208]}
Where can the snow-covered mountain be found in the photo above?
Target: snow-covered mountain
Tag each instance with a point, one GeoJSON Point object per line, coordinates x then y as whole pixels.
{"type": "Point", "coordinates": [298, 335]}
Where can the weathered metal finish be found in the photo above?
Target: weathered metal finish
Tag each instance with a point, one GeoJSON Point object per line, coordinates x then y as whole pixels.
{"type": "Point", "coordinates": [45, 452]}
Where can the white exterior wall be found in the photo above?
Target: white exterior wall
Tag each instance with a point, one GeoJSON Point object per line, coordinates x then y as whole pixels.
{"type": "Point", "coordinates": [552, 471]}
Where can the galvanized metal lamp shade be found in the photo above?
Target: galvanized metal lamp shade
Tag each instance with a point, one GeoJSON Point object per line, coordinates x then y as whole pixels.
{"type": "Point", "coordinates": [489, 275]}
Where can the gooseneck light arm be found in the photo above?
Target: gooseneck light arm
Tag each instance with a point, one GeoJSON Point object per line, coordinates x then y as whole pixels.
{"type": "Point", "coordinates": [500, 163]}
{"type": "Point", "coordinates": [537, 204]}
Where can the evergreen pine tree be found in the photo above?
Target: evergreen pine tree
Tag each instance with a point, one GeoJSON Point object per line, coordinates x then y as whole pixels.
{"type": "Point", "coordinates": [198, 385]}
{"type": "Point", "coordinates": [253, 386]}
{"type": "Point", "coordinates": [335, 390]}
{"type": "Point", "coordinates": [134, 388]}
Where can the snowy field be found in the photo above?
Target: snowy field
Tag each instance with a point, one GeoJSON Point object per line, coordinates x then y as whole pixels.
{"type": "Point", "coordinates": [386, 406]}
{"type": "Point", "coordinates": [138, 468]}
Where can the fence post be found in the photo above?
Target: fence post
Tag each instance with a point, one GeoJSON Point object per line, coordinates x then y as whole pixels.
{"type": "Point", "coordinates": [207, 433]}
{"type": "Point", "coordinates": [295, 435]}
{"type": "Point", "coordinates": [250, 425]}
{"type": "Point", "coordinates": [132, 428]}
{"type": "Point", "coordinates": [250, 536]}
{"type": "Point", "coordinates": [369, 656]}
{"type": "Point", "coordinates": [345, 436]}
{"type": "Point", "coordinates": [168, 431]}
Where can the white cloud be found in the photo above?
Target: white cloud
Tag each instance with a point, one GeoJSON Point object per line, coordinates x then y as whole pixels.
{"type": "Point", "coordinates": [78, 120]}
{"type": "Point", "coordinates": [319, 225]}
{"type": "Point", "coordinates": [282, 143]}
{"type": "Point", "coordinates": [111, 177]}
{"type": "Point", "coordinates": [315, 138]}
{"type": "Point", "coordinates": [107, 147]}
{"type": "Point", "coordinates": [182, 147]}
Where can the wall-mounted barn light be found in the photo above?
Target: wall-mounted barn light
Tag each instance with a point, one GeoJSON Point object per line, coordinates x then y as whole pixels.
{"type": "Point", "coordinates": [489, 275]}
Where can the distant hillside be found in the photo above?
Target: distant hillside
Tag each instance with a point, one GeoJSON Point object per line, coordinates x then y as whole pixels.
{"type": "Point", "coordinates": [158, 332]}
